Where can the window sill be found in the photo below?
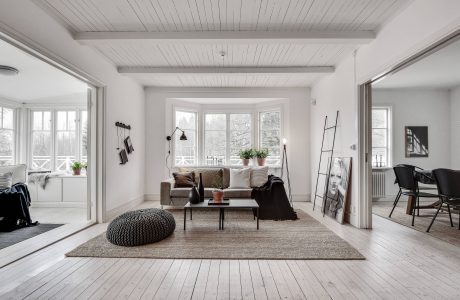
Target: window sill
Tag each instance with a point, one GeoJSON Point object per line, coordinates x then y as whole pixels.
{"type": "Point", "coordinates": [226, 166]}
{"type": "Point", "coordinates": [381, 168]}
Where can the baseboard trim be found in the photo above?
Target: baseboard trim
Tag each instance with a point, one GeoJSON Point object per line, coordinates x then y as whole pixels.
{"type": "Point", "coordinates": [152, 197]}
{"type": "Point", "coordinates": [111, 214]}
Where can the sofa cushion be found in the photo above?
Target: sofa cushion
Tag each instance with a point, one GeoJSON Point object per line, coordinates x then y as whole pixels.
{"type": "Point", "coordinates": [184, 179]}
{"type": "Point", "coordinates": [211, 176]}
{"type": "Point", "coordinates": [259, 176]}
{"type": "Point", "coordinates": [183, 192]}
{"type": "Point", "coordinates": [19, 172]}
{"type": "Point", "coordinates": [6, 180]}
{"type": "Point", "coordinates": [240, 178]}
{"type": "Point", "coordinates": [237, 193]}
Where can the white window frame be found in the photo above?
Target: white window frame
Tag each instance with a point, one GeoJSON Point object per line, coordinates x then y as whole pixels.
{"type": "Point", "coordinates": [54, 110]}
{"type": "Point", "coordinates": [197, 130]}
{"type": "Point", "coordinates": [202, 110]}
{"type": "Point", "coordinates": [389, 129]}
{"type": "Point", "coordinates": [271, 109]}
{"type": "Point", "coordinates": [14, 129]}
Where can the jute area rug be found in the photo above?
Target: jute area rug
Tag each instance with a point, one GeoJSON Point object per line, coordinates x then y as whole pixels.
{"type": "Point", "coordinates": [441, 228]}
{"type": "Point", "coordinates": [305, 238]}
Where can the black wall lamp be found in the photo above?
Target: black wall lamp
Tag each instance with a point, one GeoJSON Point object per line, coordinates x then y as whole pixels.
{"type": "Point", "coordinates": [182, 137]}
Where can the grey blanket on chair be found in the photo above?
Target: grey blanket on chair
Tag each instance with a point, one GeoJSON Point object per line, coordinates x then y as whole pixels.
{"type": "Point", "coordinates": [42, 178]}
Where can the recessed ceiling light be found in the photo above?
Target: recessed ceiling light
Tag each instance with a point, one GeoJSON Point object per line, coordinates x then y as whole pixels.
{"type": "Point", "coordinates": [222, 53]}
{"type": "Point", "coordinates": [8, 71]}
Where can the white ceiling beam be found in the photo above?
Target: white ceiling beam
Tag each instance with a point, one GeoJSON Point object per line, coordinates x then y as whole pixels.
{"type": "Point", "coordinates": [226, 70]}
{"type": "Point", "coordinates": [309, 37]}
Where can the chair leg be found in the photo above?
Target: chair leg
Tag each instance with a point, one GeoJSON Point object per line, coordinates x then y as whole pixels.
{"type": "Point", "coordinates": [450, 216]}
{"type": "Point", "coordinates": [413, 211]}
{"type": "Point", "coordinates": [434, 217]}
{"type": "Point", "coordinates": [395, 203]}
{"type": "Point", "coordinates": [418, 206]}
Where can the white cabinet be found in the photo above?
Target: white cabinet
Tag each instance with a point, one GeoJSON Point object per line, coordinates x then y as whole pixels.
{"type": "Point", "coordinates": [62, 191]}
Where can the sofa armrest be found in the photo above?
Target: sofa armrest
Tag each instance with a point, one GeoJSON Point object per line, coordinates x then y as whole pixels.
{"type": "Point", "coordinates": [165, 191]}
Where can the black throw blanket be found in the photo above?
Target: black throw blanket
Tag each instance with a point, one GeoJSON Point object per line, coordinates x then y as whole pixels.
{"type": "Point", "coordinates": [14, 207]}
{"type": "Point", "coordinates": [273, 201]}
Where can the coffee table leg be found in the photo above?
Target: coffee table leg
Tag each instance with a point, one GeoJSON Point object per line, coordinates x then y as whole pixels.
{"type": "Point", "coordinates": [220, 218]}
{"type": "Point", "coordinates": [185, 216]}
{"type": "Point", "coordinates": [191, 213]}
{"type": "Point", "coordinates": [257, 218]}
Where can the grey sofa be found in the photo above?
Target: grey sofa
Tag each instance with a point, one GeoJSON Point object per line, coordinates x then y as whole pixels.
{"type": "Point", "coordinates": [169, 195]}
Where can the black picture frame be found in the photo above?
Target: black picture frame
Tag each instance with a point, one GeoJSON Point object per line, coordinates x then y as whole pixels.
{"type": "Point", "coordinates": [123, 157]}
{"type": "Point", "coordinates": [128, 145]}
{"type": "Point", "coordinates": [416, 141]}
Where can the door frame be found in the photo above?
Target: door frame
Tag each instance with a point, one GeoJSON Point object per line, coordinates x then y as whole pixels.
{"type": "Point", "coordinates": [365, 124]}
{"type": "Point", "coordinates": [96, 104]}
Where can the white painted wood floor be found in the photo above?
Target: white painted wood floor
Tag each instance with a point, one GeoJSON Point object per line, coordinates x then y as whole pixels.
{"type": "Point", "coordinates": [401, 264]}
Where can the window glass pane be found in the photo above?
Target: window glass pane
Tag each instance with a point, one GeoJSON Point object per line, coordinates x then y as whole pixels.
{"type": "Point", "coordinates": [71, 120]}
{"type": "Point", "coordinates": [379, 137]}
{"type": "Point", "coordinates": [240, 136]}
{"type": "Point", "coordinates": [215, 140]}
{"type": "Point", "coordinates": [270, 135]}
{"type": "Point", "coordinates": [84, 136]}
{"type": "Point", "coordinates": [61, 120]}
{"type": "Point", "coordinates": [379, 118]}
{"type": "Point", "coordinates": [41, 150]}
{"type": "Point", "coordinates": [185, 151]}
{"type": "Point", "coordinates": [6, 147]}
{"type": "Point", "coordinates": [216, 122]}
{"type": "Point", "coordinates": [379, 157]}
{"type": "Point", "coordinates": [46, 120]}
{"type": "Point", "coordinates": [65, 149]}
{"type": "Point", "coordinates": [38, 120]}
{"type": "Point", "coordinates": [8, 118]}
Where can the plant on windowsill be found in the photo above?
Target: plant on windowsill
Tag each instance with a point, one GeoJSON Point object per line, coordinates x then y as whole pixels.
{"type": "Point", "coordinates": [261, 156]}
{"type": "Point", "coordinates": [217, 192]}
{"type": "Point", "coordinates": [76, 168]}
{"type": "Point", "coordinates": [246, 155]}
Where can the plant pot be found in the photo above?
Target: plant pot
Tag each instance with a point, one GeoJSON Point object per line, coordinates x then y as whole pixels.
{"type": "Point", "coordinates": [261, 161]}
{"type": "Point", "coordinates": [218, 196]}
{"type": "Point", "coordinates": [76, 172]}
{"type": "Point", "coordinates": [245, 161]}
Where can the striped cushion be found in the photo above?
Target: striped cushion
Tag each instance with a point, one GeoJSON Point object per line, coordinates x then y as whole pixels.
{"type": "Point", "coordinates": [6, 180]}
{"type": "Point", "coordinates": [259, 176]}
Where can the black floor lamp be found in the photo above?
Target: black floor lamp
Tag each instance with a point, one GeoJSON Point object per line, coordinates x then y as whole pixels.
{"type": "Point", "coordinates": [285, 159]}
{"type": "Point", "coordinates": [182, 137]}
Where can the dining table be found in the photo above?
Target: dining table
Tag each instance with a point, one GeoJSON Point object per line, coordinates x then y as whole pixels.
{"type": "Point", "coordinates": [425, 177]}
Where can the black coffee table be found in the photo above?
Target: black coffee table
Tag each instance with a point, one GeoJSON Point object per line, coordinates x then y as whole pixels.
{"type": "Point", "coordinates": [234, 204]}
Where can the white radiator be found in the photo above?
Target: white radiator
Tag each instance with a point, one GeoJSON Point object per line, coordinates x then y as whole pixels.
{"type": "Point", "coordinates": [378, 184]}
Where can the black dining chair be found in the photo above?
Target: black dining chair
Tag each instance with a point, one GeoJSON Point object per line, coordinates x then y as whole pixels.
{"type": "Point", "coordinates": [408, 186]}
{"type": "Point", "coordinates": [448, 182]}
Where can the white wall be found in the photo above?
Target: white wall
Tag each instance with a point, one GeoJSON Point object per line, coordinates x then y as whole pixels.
{"type": "Point", "coordinates": [417, 107]}
{"type": "Point", "coordinates": [422, 23]}
{"type": "Point", "coordinates": [296, 117]}
{"type": "Point", "coordinates": [455, 128]}
{"type": "Point", "coordinates": [125, 98]}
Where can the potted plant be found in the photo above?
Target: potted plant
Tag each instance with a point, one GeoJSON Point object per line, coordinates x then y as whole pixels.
{"type": "Point", "coordinates": [217, 192]}
{"type": "Point", "coordinates": [76, 167]}
{"type": "Point", "coordinates": [261, 156]}
{"type": "Point", "coordinates": [246, 155]}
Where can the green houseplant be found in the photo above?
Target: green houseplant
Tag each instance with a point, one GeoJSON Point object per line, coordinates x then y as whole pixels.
{"type": "Point", "coordinates": [261, 155]}
{"type": "Point", "coordinates": [76, 167]}
{"type": "Point", "coordinates": [246, 155]}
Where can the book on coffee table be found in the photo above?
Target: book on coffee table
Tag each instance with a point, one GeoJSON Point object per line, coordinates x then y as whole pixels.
{"type": "Point", "coordinates": [223, 202]}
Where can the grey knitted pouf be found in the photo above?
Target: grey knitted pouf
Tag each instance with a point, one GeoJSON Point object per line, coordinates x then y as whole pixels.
{"type": "Point", "coordinates": [139, 227]}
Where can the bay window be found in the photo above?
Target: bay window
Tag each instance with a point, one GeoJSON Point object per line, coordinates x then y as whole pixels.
{"type": "Point", "coordinates": [7, 136]}
{"type": "Point", "coordinates": [215, 137]}
{"type": "Point", "coordinates": [58, 139]}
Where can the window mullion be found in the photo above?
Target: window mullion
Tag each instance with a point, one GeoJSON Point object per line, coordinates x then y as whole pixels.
{"type": "Point", "coordinates": [227, 150]}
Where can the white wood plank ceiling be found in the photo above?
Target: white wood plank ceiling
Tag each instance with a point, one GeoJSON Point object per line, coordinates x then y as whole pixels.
{"type": "Point", "coordinates": [252, 34]}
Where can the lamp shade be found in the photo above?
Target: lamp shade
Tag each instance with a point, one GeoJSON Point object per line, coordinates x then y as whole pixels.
{"type": "Point", "coordinates": [183, 137]}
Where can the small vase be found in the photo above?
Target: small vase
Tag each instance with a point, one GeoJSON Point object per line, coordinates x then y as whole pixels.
{"type": "Point", "coordinates": [194, 196]}
{"type": "Point", "coordinates": [261, 161]}
{"type": "Point", "coordinates": [245, 161]}
{"type": "Point", "coordinates": [76, 172]}
{"type": "Point", "coordinates": [201, 189]}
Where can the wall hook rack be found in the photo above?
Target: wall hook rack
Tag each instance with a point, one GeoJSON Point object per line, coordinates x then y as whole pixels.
{"type": "Point", "coordinates": [123, 125]}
